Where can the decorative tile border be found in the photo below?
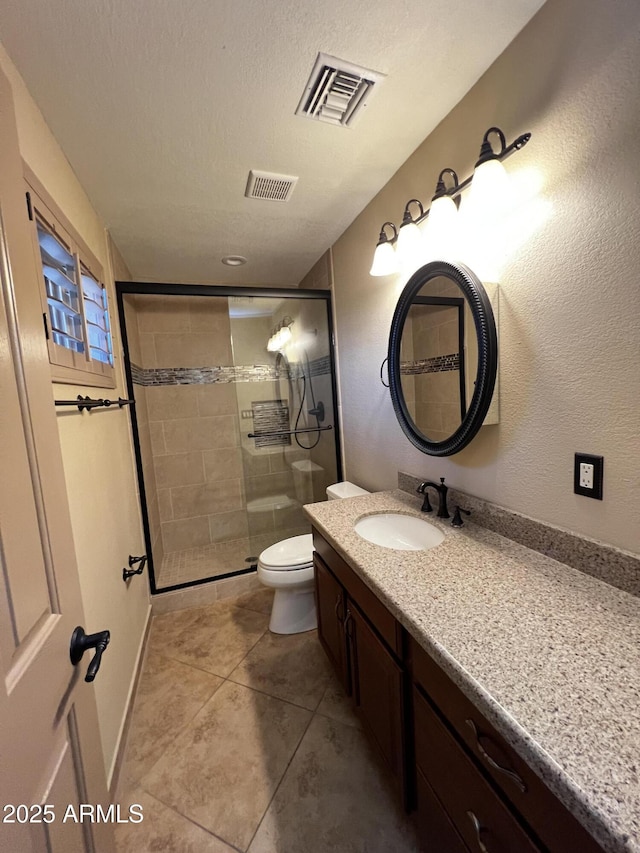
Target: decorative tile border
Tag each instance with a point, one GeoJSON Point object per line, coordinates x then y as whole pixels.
{"type": "Point", "coordinates": [437, 364]}
{"type": "Point", "coordinates": [149, 376]}
{"type": "Point", "coordinates": [611, 565]}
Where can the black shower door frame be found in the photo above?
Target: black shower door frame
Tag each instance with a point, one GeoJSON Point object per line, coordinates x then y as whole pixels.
{"type": "Point", "coordinates": [152, 288]}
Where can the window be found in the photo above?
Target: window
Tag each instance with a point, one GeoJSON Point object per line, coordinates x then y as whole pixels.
{"type": "Point", "coordinates": [75, 303]}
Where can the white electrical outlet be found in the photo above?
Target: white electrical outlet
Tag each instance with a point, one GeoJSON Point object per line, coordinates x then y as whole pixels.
{"type": "Point", "coordinates": [586, 475]}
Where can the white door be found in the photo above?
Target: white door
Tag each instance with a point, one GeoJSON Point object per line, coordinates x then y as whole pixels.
{"type": "Point", "coordinates": [50, 754]}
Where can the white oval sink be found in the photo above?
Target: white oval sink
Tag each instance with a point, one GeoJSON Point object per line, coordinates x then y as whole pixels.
{"type": "Point", "coordinates": [403, 532]}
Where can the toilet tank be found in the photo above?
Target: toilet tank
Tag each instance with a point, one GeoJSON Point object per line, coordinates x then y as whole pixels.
{"type": "Point", "coordinates": [344, 490]}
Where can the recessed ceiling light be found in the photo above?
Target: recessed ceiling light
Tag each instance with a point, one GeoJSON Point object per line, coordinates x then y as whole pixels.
{"type": "Point", "coordinates": [234, 260]}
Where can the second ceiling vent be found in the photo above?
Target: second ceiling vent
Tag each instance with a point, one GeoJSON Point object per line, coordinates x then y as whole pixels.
{"type": "Point", "coordinates": [337, 91]}
{"type": "Point", "coordinates": [270, 186]}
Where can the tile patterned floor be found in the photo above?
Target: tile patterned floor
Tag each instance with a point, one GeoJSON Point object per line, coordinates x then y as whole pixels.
{"type": "Point", "coordinates": [241, 740]}
{"type": "Point", "coordinates": [208, 561]}
{"type": "Point", "coordinates": [211, 561]}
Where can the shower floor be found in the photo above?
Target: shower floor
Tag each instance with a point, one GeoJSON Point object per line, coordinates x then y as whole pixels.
{"type": "Point", "coordinates": [208, 561]}
{"type": "Point", "coordinates": [211, 561]}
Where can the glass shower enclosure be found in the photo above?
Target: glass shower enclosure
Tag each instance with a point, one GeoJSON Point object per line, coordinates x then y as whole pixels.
{"type": "Point", "coordinates": [234, 421]}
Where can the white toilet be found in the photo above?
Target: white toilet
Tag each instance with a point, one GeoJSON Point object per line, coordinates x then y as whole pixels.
{"type": "Point", "coordinates": [287, 567]}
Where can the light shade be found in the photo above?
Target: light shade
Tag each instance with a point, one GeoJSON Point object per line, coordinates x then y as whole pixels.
{"type": "Point", "coordinates": [385, 260]}
{"type": "Point", "coordinates": [441, 230]}
{"type": "Point", "coordinates": [488, 196]}
{"type": "Point", "coordinates": [410, 246]}
{"type": "Point", "coordinates": [489, 190]}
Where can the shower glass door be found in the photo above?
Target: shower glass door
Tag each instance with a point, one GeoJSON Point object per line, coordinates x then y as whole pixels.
{"type": "Point", "coordinates": [234, 421]}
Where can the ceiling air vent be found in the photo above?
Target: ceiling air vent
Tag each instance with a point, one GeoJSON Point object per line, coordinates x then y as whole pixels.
{"type": "Point", "coordinates": [337, 91]}
{"type": "Point", "coordinates": [269, 186]}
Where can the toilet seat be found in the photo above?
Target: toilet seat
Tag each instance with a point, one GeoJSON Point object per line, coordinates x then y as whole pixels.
{"type": "Point", "coordinates": [291, 554]}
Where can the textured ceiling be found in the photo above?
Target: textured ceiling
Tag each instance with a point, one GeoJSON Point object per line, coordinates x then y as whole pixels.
{"type": "Point", "coordinates": [163, 106]}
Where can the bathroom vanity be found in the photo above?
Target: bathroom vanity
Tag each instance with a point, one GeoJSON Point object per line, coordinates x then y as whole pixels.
{"type": "Point", "coordinates": [499, 686]}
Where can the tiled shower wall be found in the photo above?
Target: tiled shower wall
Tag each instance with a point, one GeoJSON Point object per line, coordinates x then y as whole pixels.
{"type": "Point", "coordinates": [193, 427]}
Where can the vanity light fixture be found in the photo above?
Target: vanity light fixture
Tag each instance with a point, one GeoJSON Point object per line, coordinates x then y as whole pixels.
{"type": "Point", "coordinates": [280, 336]}
{"type": "Point", "coordinates": [386, 260]}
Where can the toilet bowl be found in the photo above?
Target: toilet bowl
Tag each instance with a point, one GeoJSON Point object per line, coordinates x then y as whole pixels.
{"type": "Point", "coordinates": [287, 567]}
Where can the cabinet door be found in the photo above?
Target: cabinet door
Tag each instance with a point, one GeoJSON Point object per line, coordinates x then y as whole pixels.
{"type": "Point", "coordinates": [377, 690]}
{"type": "Point", "coordinates": [331, 605]}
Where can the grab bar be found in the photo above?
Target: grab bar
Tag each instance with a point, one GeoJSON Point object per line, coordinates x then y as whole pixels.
{"type": "Point", "coordinates": [286, 432]}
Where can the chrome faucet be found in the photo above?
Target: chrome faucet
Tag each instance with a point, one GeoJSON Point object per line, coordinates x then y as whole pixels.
{"type": "Point", "coordinates": [442, 490]}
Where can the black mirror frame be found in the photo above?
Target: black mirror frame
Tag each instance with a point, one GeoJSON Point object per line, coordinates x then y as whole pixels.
{"type": "Point", "coordinates": [487, 337]}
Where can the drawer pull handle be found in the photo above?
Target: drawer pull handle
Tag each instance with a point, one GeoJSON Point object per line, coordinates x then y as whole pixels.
{"type": "Point", "coordinates": [511, 774]}
{"type": "Point", "coordinates": [347, 625]}
{"type": "Point", "coordinates": [478, 828]}
{"type": "Point", "coordinates": [339, 614]}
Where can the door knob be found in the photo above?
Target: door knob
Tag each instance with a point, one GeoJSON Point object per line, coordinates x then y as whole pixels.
{"type": "Point", "coordinates": [80, 642]}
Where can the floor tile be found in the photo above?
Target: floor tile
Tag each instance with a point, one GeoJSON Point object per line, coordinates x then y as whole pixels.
{"type": "Point", "coordinates": [260, 600]}
{"type": "Point", "coordinates": [292, 667]}
{"type": "Point", "coordinates": [161, 829]}
{"type": "Point", "coordinates": [169, 695]}
{"type": "Point", "coordinates": [337, 705]}
{"type": "Point", "coordinates": [334, 798]}
{"type": "Point", "coordinates": [224, 767]}
{"type": "Point", "coordinates": [214, 638]}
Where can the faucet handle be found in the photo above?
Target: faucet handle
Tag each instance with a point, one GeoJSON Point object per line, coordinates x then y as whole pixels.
{"type": "Point", "coordinates": [457, 518]}
{"type": "Point", "coordinates": [426, 503]}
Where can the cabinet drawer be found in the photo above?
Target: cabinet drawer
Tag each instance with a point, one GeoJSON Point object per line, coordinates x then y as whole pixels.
{"type": "Point", "coordinates": [381, 619]}
{"type": "Point", "coordinates": [477, 812]}
{"type": "Point", "coordinates": [437, 833]}
{"type": "Point", "coordinates": [556, 827]}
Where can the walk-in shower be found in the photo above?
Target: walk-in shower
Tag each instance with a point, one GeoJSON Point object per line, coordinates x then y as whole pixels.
{"type": "Point", "coordinates": [234, 421]}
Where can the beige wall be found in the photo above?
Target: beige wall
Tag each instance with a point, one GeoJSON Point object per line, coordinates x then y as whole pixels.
{"type": "Point", "coordinates": [97, 453]}
{"type": "Point", "coordinates": [569, 296]}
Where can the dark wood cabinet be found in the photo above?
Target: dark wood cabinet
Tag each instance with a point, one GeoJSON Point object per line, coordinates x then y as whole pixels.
{"type": "Point", "coordinates": [331, 601]}
{"type": "Point", "coordinates": [360, 638]}
{"type": "Point", "coordinates": [469, 788]}
{"type": "Point", "coordinates": [434, 824]}
{"type": "Point", "coordinates": [440, 702]}
{"type": "Point", "coordinates": [377, 687]}
{"type": "Point", "coordinates": [478, 813]}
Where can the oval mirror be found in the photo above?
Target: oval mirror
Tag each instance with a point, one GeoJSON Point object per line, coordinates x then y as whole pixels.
{"type": "Point", "coordinates": [443, 357]}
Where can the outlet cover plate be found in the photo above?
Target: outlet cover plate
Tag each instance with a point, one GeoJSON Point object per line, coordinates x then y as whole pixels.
{"type": "Point", "coordinates": [598, 466]}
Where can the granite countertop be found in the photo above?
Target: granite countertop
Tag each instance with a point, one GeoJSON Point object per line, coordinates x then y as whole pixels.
{"type": "Point", "coordinates": [550, 655]}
